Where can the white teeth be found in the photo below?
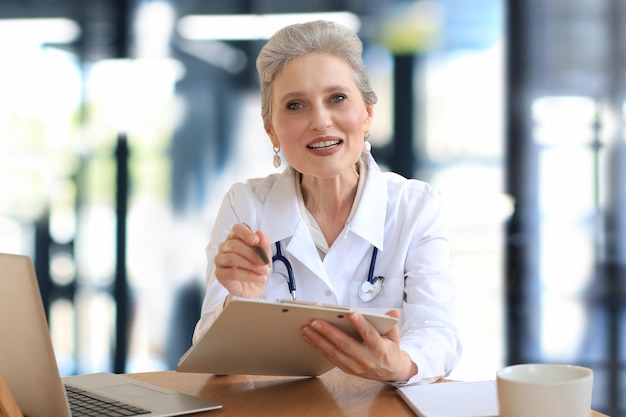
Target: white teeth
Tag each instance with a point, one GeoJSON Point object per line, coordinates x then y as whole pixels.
{"type": "Point", "coordinates": [325, 144]}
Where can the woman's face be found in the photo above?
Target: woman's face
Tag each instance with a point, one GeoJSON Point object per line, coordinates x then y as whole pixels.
{"type": "Point", "coordinates": [319, 117]}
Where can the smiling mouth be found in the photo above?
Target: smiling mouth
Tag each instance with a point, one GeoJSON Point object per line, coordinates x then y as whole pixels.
{"type": "Point", "coordinates": [325, 144]}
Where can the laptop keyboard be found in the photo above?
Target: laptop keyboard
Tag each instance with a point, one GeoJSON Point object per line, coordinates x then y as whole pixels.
{"type": "Point", "coordinates": [88, 404]}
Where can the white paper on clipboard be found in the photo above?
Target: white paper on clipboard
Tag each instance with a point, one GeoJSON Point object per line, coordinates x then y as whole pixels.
{"type": "Point", "coordinates": [452, 399]}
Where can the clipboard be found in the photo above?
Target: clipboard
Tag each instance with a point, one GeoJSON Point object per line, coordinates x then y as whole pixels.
{"type": "Point", "coordinates": [260, 337]}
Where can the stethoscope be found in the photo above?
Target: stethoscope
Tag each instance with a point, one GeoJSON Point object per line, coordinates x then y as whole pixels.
{"type": "Point", "coordinates": [368, 290]}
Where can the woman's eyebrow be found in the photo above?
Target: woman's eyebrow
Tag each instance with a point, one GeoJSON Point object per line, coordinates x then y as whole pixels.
{"type": "Point", "coordinates": [326, 90]}
{"type": "Point", "coordinates": [292, 95]}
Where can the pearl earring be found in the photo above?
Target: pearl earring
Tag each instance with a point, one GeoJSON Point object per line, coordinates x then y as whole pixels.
{"type": "Point", "coordinates": [277, 160]}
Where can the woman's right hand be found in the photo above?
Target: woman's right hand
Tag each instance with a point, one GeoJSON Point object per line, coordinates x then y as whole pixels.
{"type": "Point", "coordinates": [238, 267]}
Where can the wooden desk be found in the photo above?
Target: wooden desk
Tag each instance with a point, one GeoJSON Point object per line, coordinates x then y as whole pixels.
{"type": "Point", "coordinates": [333, 394]}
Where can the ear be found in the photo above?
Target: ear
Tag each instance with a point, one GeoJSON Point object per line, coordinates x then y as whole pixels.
{"type": "Point", "coordinates": [370, 114]}
{"type": "Point", "coordinates": [273, 137]}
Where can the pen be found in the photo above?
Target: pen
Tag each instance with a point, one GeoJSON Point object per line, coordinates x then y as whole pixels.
{"type": "Point", "coordinates": [267, 261]}
{"type": "Point", "coordinates": [259, 250]}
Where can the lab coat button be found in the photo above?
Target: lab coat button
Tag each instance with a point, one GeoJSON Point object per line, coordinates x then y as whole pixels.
{"type": "Point", "coordinates": [329, 293]}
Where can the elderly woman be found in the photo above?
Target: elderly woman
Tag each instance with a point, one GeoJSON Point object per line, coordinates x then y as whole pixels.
{"type": "Point", "coordinates": [339, 230]}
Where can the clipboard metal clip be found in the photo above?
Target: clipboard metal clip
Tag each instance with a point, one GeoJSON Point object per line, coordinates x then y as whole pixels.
{"type": "Point", "coordinates": [335, 307]}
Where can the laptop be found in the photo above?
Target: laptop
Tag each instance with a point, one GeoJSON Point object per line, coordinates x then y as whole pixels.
{"type": "Point", "coordinates": [29, 366]}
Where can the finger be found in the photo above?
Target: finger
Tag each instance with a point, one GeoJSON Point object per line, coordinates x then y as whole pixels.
{"type": "Point", "coordinates": [368, 332]}
{"type": "Point", "coordinates": [332, 343]}
{"type": "Point", "coordinates": [257, 240]}
{"type": "Point", "coordinates": [243, 248]}
{"type": "Point", "coordinates": [394, 333]}
{"type": "Point", "coordinates": [243, 232]}
{"type": "Point", "coordinates": [226, 276]}
{"type": "Point", "coordinates": [335, 341]}
{"type": "Point", "coordinates": [240, 282]}
{"type": "Point", "coordinates": [233, 253]}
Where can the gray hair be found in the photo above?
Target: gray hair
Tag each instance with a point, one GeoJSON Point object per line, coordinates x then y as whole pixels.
{"type": "Point", "coordinates": [302, 38]}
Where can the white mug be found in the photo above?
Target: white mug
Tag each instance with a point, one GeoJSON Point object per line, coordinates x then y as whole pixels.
{"type": "Point", "coordinates": [544, 390]}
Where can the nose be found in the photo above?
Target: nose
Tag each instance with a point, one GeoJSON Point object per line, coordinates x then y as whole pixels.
{"type": "Point", "coordinates": [320, 119]}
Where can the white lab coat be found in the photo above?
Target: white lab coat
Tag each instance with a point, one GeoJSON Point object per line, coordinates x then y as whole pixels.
{"type": "Point", "coordinates": [402, 218]}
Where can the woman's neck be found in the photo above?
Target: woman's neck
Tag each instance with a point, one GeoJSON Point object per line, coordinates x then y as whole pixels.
{"type": "Point", "coordinates": [329, 200]}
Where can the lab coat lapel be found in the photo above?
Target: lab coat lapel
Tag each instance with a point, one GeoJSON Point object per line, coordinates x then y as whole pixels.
{"type": "Point", "coordinates": [281, 220]}
{"type": "Point", "coordinates": [369, 219]}
{"type": "Point", "coordinates": [280, 216]}
{"type": "Point", "coordinates": [303, 249]}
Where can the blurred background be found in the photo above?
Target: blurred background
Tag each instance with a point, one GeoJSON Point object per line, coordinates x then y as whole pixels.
{"type": "Point", "coordinates": [122, 124]}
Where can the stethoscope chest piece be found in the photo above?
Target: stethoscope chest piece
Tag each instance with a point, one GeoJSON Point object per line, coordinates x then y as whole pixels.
{"type": "Point", "coordinates": [370, 289]}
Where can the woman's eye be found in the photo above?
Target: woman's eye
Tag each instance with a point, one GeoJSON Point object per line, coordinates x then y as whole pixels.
{"type": "Point", "coordinates": [338, 98]}
{"type": "Point", "coordinates": [294, 106]}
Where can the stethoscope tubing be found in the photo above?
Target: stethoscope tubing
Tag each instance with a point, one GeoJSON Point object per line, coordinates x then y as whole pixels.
{"type": "Point", "coordinates": [370, 274]}
{"type": "Point", "coordinates": [291, 279]}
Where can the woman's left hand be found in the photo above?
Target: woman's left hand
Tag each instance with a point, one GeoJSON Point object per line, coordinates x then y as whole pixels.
{"type": "Point", "coordinates": [378, 357]}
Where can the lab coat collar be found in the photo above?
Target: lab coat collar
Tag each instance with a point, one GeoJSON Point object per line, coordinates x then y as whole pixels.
{"type": "Point", "coordinates": [281, 217]}
{"type": "Point", "coordinates": [369, 219]}
{"type": "Point", "coordinates": [281, 220]}
{"type": "Point", "coordinates": [281, 214]}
